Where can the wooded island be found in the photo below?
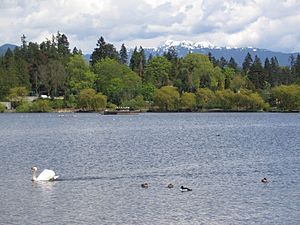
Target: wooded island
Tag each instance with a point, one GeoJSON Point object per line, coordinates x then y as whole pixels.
{"type": "Point", "coordinates": [166, 83]}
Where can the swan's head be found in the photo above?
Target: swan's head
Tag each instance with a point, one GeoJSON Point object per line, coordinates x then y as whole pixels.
{"type": "Point", "coordinates": [33, 169]}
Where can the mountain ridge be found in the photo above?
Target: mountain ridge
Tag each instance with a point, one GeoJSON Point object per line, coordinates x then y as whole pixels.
{"type": "Point", "coordinates": [238, 53]}
{"type": "Point", "coordinates": [5, 47]}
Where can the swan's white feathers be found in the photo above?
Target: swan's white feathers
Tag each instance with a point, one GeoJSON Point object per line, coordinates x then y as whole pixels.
{"type": "Point", "coordinates": [46, 175]}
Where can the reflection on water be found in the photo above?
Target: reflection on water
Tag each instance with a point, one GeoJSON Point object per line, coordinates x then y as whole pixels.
{"type": "Point", "coordinates": [45, 185]}
{"type": "Point", "coordinates": [103, 160]}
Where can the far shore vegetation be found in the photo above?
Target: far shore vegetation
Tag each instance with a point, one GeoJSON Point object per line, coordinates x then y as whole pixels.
{"type": "Point", "coordinates": [49, 77]}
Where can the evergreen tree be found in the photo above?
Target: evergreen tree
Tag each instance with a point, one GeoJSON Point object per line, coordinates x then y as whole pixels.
{"type": "Point", "coordinates": [75, 51]}
{"type": "Point", "coordinates": [274, 72]}
{"type": "Point", "coordinates": [222, 62]}
{"type": "Point", "coordinates": [23, 46]}
{"type": "Point", "coordinates": [296, 68]}
{"type": "Point", "coordinates": [150, 57]}
{"type": "Point", "coordinates": [63, 46]}
{"type": "Point", "coordinates": [157, 71]}
{"type": "Point", "coordinates": [133, 59]}
{"type": "Point", "coordinates": [267, 70]}
{"type": "Point", "coordinates": [99, 51]}
{"type": "Point", "coordinates": [171, 54]}
{"type": "Point", "coordinates": [212, 59]}
{"type": "Point", "coordinates": [138, 61]}
{"type": "Point", "coordinates": [21, 67]}
{"type": "Point", "coordinates": [232, 64]}
{"type": "Point", "coordinates": [123, 55]}
{"type": "Point", "coordinates": [256, 73]}
{"type": "Point", "coordinates": [102, 51]}
{"type": "Point", "coordinates": [142, 61]}
{"type": "Point", "coordinates": [247, 63]}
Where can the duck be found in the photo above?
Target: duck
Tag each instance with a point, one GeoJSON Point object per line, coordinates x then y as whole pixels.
{"type": "Point", "coordinates": [184, 189]}
{"type": "Point", "coordinates": [264, 180]}
{"type": "Point", "coordinates": [170, 185]}
{"type": "Point", "coordinates": [46, 175]}
{"type": "Point", "coordinates": [145, 185]}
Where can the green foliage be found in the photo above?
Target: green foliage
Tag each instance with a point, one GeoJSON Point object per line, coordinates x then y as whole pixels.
{"type": "Point", "coordinates": [138, 61]}
{"type": "Point", "coordinates": [147, 91]}
{"type": "Point", "coordinates": [57, 103]}
{"type": "Point", "coordinates": [204, 98]}
{"type": "Point", "coordinates": [229, 74]}
{"type": "Point", "coordinates": [49, 68]}
{"type": "Point", "coordinates": [241, 101]}
{"type": "Point", "coordinates": [24, 107]}
{"type": "Point", "coordinates": [136, 103]}
{"type": "Point", "coordinates": [257, 102]}
{"type": "Point", "coordinates": [2, 108]}
{"type": "Point", "coordinates": [237, 83]}
{"type": "Point", "coordinates": [116, 81]}
{"type": "Point", "coordinates": [79, 74]}
{"type": "Point", "coordinates": [197, 71]}
{"type": "Point", "coordinates": [89, 100]}
{"type": "Point", "coordinates": [71, 101]}
{"type": "Point", "coordinates": [232, 64]}
{"type": "Point", "coordinates": [123, 55]}
{"type": "Point", "coordinates": [247, 63]}
{"type": "Point", "coordinates": [167, 98]}
{"type": "Point", "coordinates": [102, 51]}
{"type": "Point", "coordinates": [17, 95]}
{"type": "Point", "coordinates": [157, 71]}
{"type": "Point", "coordinates": [188, 102]}
{"type": "Point", "coordinates": [40, 105]}
{"type": "Point", "coordinates": [86, 99]}
{"type": "Point", "coordinates": [256, 74]}
{"type": "Point", "coordinates": [99, 102]}
{"type": "Point", "coordinates": [52, 77]}
{"type": "Point", "coordinates": [286, 97]}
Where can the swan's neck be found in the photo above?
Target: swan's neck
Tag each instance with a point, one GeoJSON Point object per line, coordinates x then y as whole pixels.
{"type": "Point", "coordinates": [34, 176]}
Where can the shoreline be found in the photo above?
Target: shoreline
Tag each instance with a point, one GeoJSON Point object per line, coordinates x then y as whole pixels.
{"type": "Point", "coordinates": [161, 112]}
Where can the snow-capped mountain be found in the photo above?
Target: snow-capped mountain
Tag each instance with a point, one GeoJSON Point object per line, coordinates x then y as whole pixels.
{"type": "Point", "coordinates": [239, 54]}
{"type": "Point", "coordinates": [187, 44]}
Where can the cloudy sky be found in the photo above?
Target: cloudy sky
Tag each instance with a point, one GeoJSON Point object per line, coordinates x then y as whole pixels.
{"type": "Point", "coordinates": [269, 24]}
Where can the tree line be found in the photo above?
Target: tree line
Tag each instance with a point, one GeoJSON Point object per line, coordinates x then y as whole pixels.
{"type": "Point", "coordinates": [195, 82]}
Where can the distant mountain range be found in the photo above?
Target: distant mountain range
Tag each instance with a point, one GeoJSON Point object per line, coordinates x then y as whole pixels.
{"type": "Point", "coordinates": [3, 48]}
{"type": "Point", "coordinates": [185, 47]}
{"type": "Point", "coordinates": [239, 54]}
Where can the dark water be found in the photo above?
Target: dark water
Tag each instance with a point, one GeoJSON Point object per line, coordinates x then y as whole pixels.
{"type": "Point", "coordinates": [102, 160]}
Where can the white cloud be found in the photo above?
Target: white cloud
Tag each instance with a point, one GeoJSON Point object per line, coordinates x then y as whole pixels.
{"type": "Point", "coordinates": [261, 23]}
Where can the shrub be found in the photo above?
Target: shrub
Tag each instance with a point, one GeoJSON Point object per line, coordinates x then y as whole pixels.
{"type": "Point", "coordinates": [2, 108]}
{"type": "Point", "coordinates": [57, 103]}
{"type": "Point", "coordinates": [40, 106]}
{"type": "Point", "coordinates": [24, 107]}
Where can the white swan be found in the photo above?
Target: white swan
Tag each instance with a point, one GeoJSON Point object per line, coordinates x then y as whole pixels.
{"type": "Point", "coordinates": [46, 175]}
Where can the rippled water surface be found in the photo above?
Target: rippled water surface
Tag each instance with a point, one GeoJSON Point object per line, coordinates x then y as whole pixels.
{"type": "Point", "coordinates": [102, 160]}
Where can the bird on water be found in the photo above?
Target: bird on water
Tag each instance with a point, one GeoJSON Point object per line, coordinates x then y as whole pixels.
{"type": "Point", "coordinates": [184, 189]}
{"type": "Point", "coordinates": [46, 175]}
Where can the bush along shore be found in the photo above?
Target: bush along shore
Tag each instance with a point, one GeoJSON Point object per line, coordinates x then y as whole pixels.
{"type": "Point", "coordinates": [166, 99]}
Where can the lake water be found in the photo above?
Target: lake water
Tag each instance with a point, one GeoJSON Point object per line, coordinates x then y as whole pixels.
{"type": "Point", "coordinates": [103, 160]}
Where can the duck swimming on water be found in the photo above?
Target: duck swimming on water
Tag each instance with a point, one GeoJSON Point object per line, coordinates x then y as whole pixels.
{"type": "Point", "coordinates": [145, 185]}
{"type": "Point", "coordinates": [184, 189]}
{"type": "Point", "coordinates": [264, 180]}
{"type": "Point", "coordinates": [170, 186]}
